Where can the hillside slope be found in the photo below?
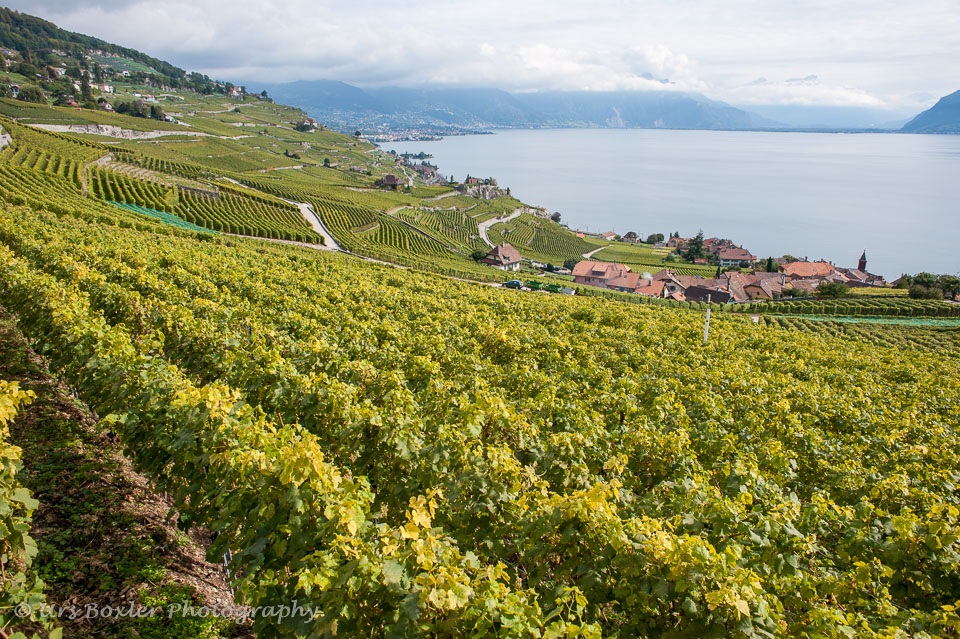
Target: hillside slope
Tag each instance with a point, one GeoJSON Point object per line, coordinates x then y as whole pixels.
{"type": "Point", "coordinates": [27, 34]}
{"type": "Point", "coordinates": [943, 117]}
{"type": "Point", "coordinates": [381, 452]}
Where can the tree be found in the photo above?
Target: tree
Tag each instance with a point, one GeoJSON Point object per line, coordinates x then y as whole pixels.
{"type": "Point", "coordinates": [157, 113]}
{"type": "Point", "coordinates": [27, 69]}
{"type": "Point", "coordinates": [555, 217]}
{"type": "Point", "coordinates": [478, 254]}
{"type": "Point", "coordinates": [927, 280]}
{"type": "Point", "coordinates": [771, 266]}
{"type": "Point", "coordinates": [97, 72]}
{"type": "Point", "coordinates": [570, 263]}
{"type": "Point", "coordinates": [326, 162]}
{"type": "Point", "coordinates": [32, 93]}
{"type": "Point", "coordinates": [654, 238]}
{"type": "Point", "coordinates": [695, 248]}
{"type": "Point", "coordinates": [950, 285]}
{"type": "Point", "coordinates": [551, 268]}
{"type": "Point", "coordinates": [263, 94]}
{"type": "Point", "coordinates": [833, 289]}
{"type": "Point", "coordinates": [719, 273]}
{"type": "Point", "coordinates": [919, 292]}
{"type": "Point", "coordinates": [62, 98]}
{"type": "Point", "coordinates": [357, 134]}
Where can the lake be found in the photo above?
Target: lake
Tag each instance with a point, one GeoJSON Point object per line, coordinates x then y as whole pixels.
{"type": "Point", "coordinates": [819, 195]}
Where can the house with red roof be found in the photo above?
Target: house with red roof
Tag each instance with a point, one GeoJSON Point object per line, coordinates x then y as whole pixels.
{"type": "Point", "coordinates": [804, 269]}
{"type": "Point", "coordinates": [504, 257]}
{"type": "Point", "coordinates": [734, 256]}
{"type": "Point", "coordinates": [593, 273]}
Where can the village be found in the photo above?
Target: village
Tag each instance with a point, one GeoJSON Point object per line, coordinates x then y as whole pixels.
{"type": "Point", "coordinates": [740, 277]}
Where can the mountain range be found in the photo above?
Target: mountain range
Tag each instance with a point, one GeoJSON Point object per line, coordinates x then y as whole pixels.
{"type": "Point", "coordinates": [342, 105]}
{"type": "Point", "coordinates": [339, 103]}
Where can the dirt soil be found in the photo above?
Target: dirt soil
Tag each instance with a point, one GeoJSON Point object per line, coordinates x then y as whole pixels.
{"type": "Point", "coordinates": [104, 537]}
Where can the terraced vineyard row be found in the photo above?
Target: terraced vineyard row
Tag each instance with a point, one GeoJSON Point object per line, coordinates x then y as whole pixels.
{"type": "Point", "coordinates": [636, 253]}
{"type": "Point", "coordinates": [32, 158]}
{"type": "Point", "coordinates": [646, 258]}
{"type": "Point", "coordinates": [183, 169]}
{"type": "Point", "coordinates": [166, 218]}
{"type": "Point", "coordinates": [367, 232]}
{"type": "Point", "coordinates": [539, 238]}
{"type": "Point", "coordinates": [26, 139]}
{"type": "Point", "coordinates": [117, 187]}
{"type": "Point", "coordinates": [226, 211]}
{"type": "Point", "coordinates": [234, 213]}
{"type": "Point", "coordinates": [927, 339]}
{"type": "Point", "coordinates": [877, 307]}
{"type": "Point", "coordinates": [520, 465]}
{"type": "Point", "coordinates": [455, 228]}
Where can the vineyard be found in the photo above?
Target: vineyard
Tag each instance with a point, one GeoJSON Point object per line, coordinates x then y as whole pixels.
{"type": "Point", "coordinates": [885, 306]}
{"type": "Point", "coordinates": [455, 228]}
{"type": "Point", "coordinates": [227, 211]}
{"type": "Point", "coordinates": [540, 238]}
{"type": "Point", "coordinates": [425, 457]}
{"type": "Point", "coordinates": [925, 339]}
{"type": "Point", "coordinates": [647, 258]}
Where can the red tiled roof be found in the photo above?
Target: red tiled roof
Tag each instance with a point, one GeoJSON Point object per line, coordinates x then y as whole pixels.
{"type": "Point", "coordinates": [625, 280]}
{"type": "Point", "coordinates": [504, 255]}
{"type": "Point", "coordinates": [808, 269]}
{"type": "Point", "coordinates": [739, 254]}
{"type": "Point", "coordinates": [589, 268]}
{"type": "Point", "coordinates": [653, 289]}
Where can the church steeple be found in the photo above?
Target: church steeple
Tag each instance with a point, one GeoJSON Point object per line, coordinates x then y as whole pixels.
{"type": "Point", "coordinates": [862, 265]}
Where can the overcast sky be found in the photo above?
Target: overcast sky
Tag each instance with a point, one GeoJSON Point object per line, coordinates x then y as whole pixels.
{"type": "Point", "coordinates": [876, 53]}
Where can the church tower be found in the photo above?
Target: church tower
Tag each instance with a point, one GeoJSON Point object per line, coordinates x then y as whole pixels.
{"type": "Point", "coordinates": [862, 265]}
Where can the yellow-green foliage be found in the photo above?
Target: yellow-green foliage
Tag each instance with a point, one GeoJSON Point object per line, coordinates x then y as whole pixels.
{"type": "Point", "coordinates": [539, 238]}
{"type": "Point", "coordinates": [21, 591]}
{"type": "Point", "coordinates": [422, 456]}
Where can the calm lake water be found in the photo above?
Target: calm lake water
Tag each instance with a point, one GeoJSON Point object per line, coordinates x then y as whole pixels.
{"type": "Point", "coordinates": [818, 195]}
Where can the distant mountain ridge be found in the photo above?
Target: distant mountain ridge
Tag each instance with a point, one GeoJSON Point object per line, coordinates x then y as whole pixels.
{"type": "Point", "coordinates": [341, 103]}
{"type": "Point", "coordinates": [943, 117]}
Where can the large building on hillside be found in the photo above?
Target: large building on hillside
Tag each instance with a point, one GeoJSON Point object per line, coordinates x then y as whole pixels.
{"type": "Point", "coordinates": [599, 274]}
{"type": "Point", "coordinates": [734, 256]}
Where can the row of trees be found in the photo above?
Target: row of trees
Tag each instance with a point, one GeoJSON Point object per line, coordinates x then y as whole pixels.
{"type": "Point", "coordinates": [931, 287]}
{"type": "Point", "coordinates": [140, 109]}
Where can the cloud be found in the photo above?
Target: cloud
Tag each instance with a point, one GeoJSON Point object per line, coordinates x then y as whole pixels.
{"type": "Point", "coordinates": [854, 52]}
{"type": "Point", "coordinates": [807, 91]}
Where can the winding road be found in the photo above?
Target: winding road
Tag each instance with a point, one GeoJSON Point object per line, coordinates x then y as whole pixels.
{"type": "Point", "coordinates": [483, 226]}
{"type": "Point", "coordinates": [314, 221]}
{"type": "Point", "coordinates": [587, 256]}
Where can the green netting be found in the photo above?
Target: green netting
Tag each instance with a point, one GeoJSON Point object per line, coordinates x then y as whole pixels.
{"type": "Point", "coordinates": [905, 321]}
{"type": "Point", "coordinates": [167, 218]}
